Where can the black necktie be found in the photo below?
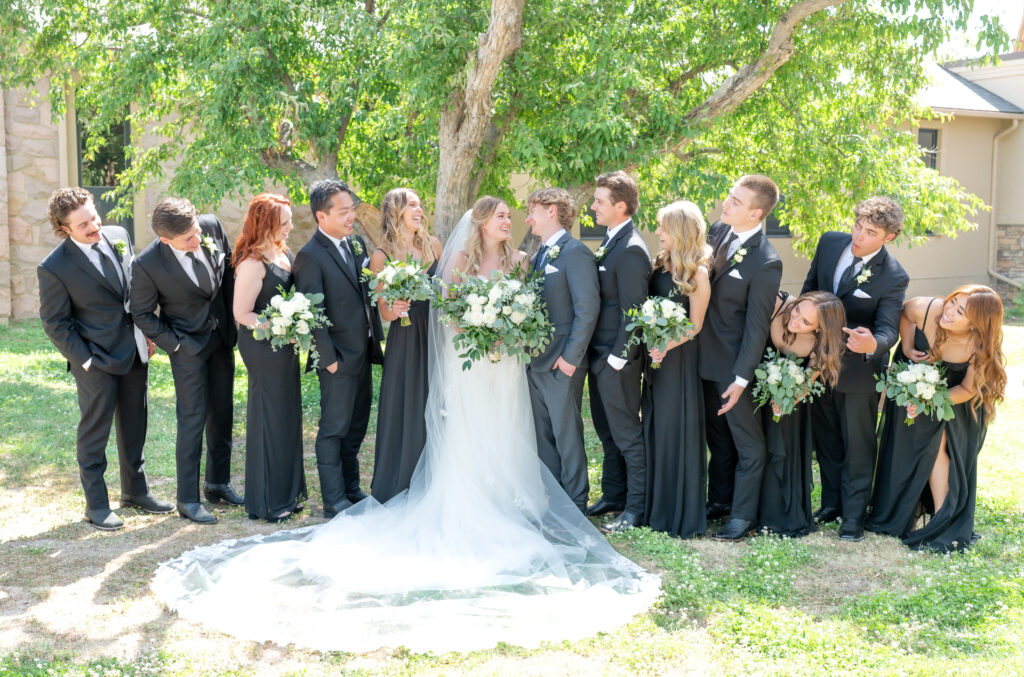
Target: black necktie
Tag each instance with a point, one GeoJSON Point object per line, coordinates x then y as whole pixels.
{"type": "Point", "coordinates": [723, 252]}
{"type": "Point", "coordinates": [349, 255]}
{"type": "Point", "coordinates": [108, 269]}
{"type": "Point", "coordinates": [202, 275]}
{"type": "Point", "coordinates": [541, 253]}
{"type": "Point", "coordinates": [847, 275]}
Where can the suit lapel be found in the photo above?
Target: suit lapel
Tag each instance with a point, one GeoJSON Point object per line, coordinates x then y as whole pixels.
{"type": "Point", "coordinates": [83, 262]}
{"type": "Point", "coordinates": [832, 262]}
{"type": "Point", "coordinates": [623, 233]}
{"type": "Point", "coordinates": [175, 269]}
{"type": "Point", "coordinates": [753, 243]}
{"type": "Point", "coordinates": [333, 252]}
{"type": "Point", "coordinates": [875, 261]}
{"type": "Point", "coordinates": [121, 264]}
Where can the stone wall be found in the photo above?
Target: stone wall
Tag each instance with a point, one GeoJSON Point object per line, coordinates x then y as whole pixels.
{"type": "Point", "coordinates": [31, 172]}
{"type": "Point", "coordinates": [1010, 257]}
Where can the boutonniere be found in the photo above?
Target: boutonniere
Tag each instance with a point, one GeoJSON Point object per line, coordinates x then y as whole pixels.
{"type": "Point", "coordinates": [601, 251]}
{"type": "Point", "coordinates": [554, 252]}
{"type": "Point", "coordinates": [357, 248]}
{"type": "Point", "coordinates": [121, 246]}
{"type": "Point", "coordinates": [865, 275]}
{"type": "Point", "coordinates": [209, 244]}
{"type": "Point", "coordinates": [737, 257]}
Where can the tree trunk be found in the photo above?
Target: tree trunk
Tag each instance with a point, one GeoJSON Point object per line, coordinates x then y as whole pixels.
{"type": "Point", "coordinates": [468, 112]}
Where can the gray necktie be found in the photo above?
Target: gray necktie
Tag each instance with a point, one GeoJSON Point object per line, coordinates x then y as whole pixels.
{"type": "Point", "coordinates": [108, 269]}
{"type": "Point", "coordinates": [202, 275]}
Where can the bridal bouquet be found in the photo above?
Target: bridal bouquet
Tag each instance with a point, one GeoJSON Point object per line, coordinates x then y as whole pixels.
{"type": "Point", "coordinates": [659, 320]}
{"type": "Point", "coordinates": [290, 319]}
{"type": "Point", "coordinates": [498, 315]}
{"type": "Point", "coordinates": [783, 381]}
{"type": "Point", "coordinates": [399, 281]}
{"type": "Point", "coordinates": [919, 384]}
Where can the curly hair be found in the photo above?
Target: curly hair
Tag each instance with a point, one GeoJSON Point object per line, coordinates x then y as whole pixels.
{"type": "Point", "coordinates": [984, 312]}
{"type": "Point", "coordinates": [261, 230]}
{"type": "Point", "coordinates": [683, 221]}
{"type": "Point", "coordinates": [62, 202]}
{"type": "Point", "coordinates": [558, 197]}
{"type": "Point", "coordinates": [882, 211]}
{"type": "Point", "coordinates": [829, 343]}
{"type": "Point", "coordinates": [483, 210]}
{"type": "Point", "coordinates": [392, 208]}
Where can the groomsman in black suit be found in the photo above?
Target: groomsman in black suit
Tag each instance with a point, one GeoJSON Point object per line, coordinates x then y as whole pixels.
{"type": "Point", "coordinates": [330, 264]}
{"type": "Point", "coordinates": [83, 303]}
{"type": "Point", "coordinates": [181, 299]}
{"type": "Point", "coordinates": [623, 270]}
{"type": "Point", "coordinates": [556, 376]}
{"type": "Point", "coordinates": [871, 284]}
{"type": "Point", "coordinates": [745, 279]}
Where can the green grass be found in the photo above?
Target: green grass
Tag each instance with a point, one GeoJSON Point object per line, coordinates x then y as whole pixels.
{"type": "Point", "coordinates": [75, 602]}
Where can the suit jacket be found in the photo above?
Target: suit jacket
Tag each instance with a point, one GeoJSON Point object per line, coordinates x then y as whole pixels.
{"type": "Point", "coordinates": [876, 304]}
{"type": "Point", "coordinates": [738, 318]}
{"type": "Point", "coordinates": [188, 316]}
{"type": "Point", "coordinates": [355, 331]}
{"type": "Point", "coordinates": [623, 272]}
{"type": "Point", "coordinates": [82, 313]}
{"type": "Point", "coordinates": [573, 297]}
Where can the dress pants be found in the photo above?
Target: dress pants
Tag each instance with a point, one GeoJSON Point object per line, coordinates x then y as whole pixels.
{"type": "Point", "coordinates": [103, 398]}
{"type": "Point", "coordinates": [738, 451]}
{"type": "Point", "coordinates": [204, 388]}
{"type": "Point", "coordinates": [615, 409]}
{"type": "Point", "coordinates": [556, 400]}
{"type": "Point", "coordinates": [844, 439]}
{"type": "Point", "coordinates": [345, 399]}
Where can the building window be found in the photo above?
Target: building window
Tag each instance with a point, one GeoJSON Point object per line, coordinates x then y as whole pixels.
{"type": "Point", "coordinates": [772, 226]}
{"type": "Point", "coordinates": [99, 175]}
{"type": "Point", "coordinates": [928, 140]}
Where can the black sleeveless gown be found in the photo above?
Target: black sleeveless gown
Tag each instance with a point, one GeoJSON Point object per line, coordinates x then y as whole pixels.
{"type": "Point", "coordinates": [401, 428]}
{"type": "Point", "coordinates": [906, 456]}
{"type": "Point", "coordinates": [785, 503]}
{"type": "Point", "coordinates": [672, 407]}
{"type": "Point", "coordinates": [274, 479]}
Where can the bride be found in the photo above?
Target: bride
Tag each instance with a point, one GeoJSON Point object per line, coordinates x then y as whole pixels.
{"type": "Point", "coordinates": [484, 546]}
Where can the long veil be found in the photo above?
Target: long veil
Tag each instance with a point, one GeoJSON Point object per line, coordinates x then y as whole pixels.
{"type": "Point", "coordinates": [484, 546]}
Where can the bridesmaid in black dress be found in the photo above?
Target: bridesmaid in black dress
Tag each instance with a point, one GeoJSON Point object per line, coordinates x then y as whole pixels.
{"type": "Point", "coordinates": [673, 403]}
{"type": "Point", "coordinates": [931, 467]}
{"type": "Point", "coordinates": [401, 428]}
{"type": "Point", "coordinates": [275, 483]}
{"type": "Point", "coordinates": [808, 327]}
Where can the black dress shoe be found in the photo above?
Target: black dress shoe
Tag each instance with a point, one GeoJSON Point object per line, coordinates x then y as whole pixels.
{"type": "Point", "coordinates": [330, 511]}
{"type": "Point", "coordinates": [147, 503]}
{"type": "Point", "coordinates": [103, 519]}
{"type": "Point", "coordinates": [825, 515]}
{"type": "Point", "coordinates": [195, 512]}
{"type": "Point", "coordinates": [851, 530]}
{"type": "Point", "coordinates": [356, 496]}
{"type": "Point", "coordinates": [215, 493]}
{"type": "Point", "coordinates": [603, 507]}
{"type": "Point", "coordinates": [623, 522]}
{"type": "Point", "coordinates": [716, 511]}
{"type": "Point", "coordinates": [734, 530]}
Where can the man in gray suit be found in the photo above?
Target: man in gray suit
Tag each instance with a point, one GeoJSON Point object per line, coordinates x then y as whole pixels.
{"type": "Point", "coordinates": [556, 376]}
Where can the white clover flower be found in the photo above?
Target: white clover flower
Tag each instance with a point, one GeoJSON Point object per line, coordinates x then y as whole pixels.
{"type": "Point", "coordinates": [301, 327]}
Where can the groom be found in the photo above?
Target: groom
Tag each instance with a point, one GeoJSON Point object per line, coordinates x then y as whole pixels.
{"type": "Point", "coordinates": [623, 270]}
{"type": "Point", "coordinates": [182, 284]}
{"type": "Point", "coordinates": [330, 264]}
{"type": "Point", "coordinates": [556, 376]}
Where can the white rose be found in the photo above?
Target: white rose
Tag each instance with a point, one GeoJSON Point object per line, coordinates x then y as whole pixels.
{"type": "Point", "coordinates": [794, 369]}
{"type": "Point", "coordinates": [521, 300]}
{"type": "Point", "coordinates": [301, 327]}
{"type": "Point", "coordinates": [932, 376]}
{"type": "Point", "coordinates": [518, 317]}
{"type": "Point", "coordinates": [648, 307]}
{"type": "Point", "coordinates": [490, 317]}
{"type": "Point", "coordinates": [507, 310]}
{"type": "Point", "coordinates": [306, 315]}
{"type": "Point", "coordinates": [494, 294]}
{"type": "Point", "coordinates": [775, 369]}
{"type": "Point", "coordinates": [287, 308]}
{"type": "Point", "coordinates": [276, 301]}
{"type": "Point", "coordinates": [472, 317]}
{"type": "Point", "coordinates": [774, 378]}
{"type": "Point", "coordinates": [277, 330]}
{"type": "Point", "coordinates": [475, 300]}
{"type": "Point", "coordinates": [301, 302]}
{"type": "Point", "coordinates": [530, 298]}
{"type": "Point", "coordinates": [925, 391]}
{"type": "Point", "coordinates": [514, 284]}
{"type": "Point", "coordinates": [285, 322]}
{"type": "Point", "coordinates": [798, 379]}
{"type": "Point", "coordinates": [904, 377]}
{"type": "Point", "coordinates": [667, 308]}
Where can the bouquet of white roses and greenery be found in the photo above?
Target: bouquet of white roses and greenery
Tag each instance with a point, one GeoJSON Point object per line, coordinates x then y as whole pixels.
{"type": "Point", "coordinates": [784, 381]}
{"type": "Point", "coordinates": [659, 320]}
{"type": "Point", "coordinates": [290, 319]}
{"type": "Point", "coordinates": [400, 281]}
{"type": "Point", "coordinates": [500, 315]}
{"type": "Point", "coordinates": [919, 384]}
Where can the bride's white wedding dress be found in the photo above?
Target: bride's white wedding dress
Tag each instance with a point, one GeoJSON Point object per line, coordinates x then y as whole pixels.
{"type": "Point", "coordinates": [484, 547]}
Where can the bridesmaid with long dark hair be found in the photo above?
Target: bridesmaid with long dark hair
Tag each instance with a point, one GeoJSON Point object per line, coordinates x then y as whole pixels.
{"type": "Point", "coordinates": [275, 483]}
{"type": "Point", "coordinates": [810, 327]}
{"type": "Point", "coordinates": [401, 429]}
{"type": "Point", "coordinates": [931, 467]}
{"type": "Point", "coordinates": [672, 401]}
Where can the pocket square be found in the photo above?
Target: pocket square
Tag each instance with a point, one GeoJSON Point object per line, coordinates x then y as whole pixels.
{"type": "Point", "coordinates": [366, 262]}
{"type": "Point", "coordinates": [548, 268]}
{"type": "Point", "coordinates": [735, 273]}
{"type": "Point", "coordinates": [861, 294]}
{"type": "Point", "coordinates": [602, 269]}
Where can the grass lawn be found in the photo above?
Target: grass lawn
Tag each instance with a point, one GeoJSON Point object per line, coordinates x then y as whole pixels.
{"type": "Point", "coordinates": [76, 601]}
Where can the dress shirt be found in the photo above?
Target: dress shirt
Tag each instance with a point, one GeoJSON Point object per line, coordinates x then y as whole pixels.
{"type": "Point", "coordinates": [844, 262]}
{"type": "Point", "coordinates": [94, 257]}
{"type": "Point", "coordinates": [186, 264]}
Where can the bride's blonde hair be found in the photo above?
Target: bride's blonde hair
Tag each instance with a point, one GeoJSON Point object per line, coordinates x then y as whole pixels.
{"type": "Point", "coordinates": [483, 210]}
{"type": "Point", "coordinates": [684, 223]}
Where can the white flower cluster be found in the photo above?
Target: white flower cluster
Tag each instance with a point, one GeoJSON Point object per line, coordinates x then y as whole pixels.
{"type": "Point", "coordinates": [501, 301]}
{"type": "Point", "coordinates": [655, 307]}
{"type": "Point", "coordinates": [294, 312]}
{"type": "Point", "coordinates": [925, 376]}
{"type": "Point", "coordinates": [783, 382]}
{"type": "Point", "coordinates": [794, 370]}
{"type": "Point", "coordinates": [660, 321]}
{"type": "Point", "coordinates": [921, 385]}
